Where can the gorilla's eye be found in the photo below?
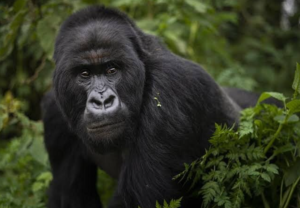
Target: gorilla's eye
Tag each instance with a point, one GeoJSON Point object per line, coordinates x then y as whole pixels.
{"type": "Point", "coordinates": [111, 71]}
{"type": "Point", "coordinates": [85, 74]}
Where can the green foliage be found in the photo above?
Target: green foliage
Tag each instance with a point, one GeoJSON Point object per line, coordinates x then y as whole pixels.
{"type": "Point", "coordinates": [296, 82]}
{"type": "Point", "coordinates": [24, 169]}
{"type": "Point", "coordinates": [255, 165]}
{"type": "Point", "coordinates": [106, 186]}
{"type": "Point", "coordinates": [220, 35]}
{"type": "Point", "coordinates": [239, 42]}
{"type": "Point", "coordinates": [172, 204]}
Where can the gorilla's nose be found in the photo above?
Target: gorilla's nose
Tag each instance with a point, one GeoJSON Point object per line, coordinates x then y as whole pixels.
{"type": "Point", "coordinates": [103, 102]}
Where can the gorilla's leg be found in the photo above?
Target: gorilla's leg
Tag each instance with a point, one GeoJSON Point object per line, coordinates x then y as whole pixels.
{"type": "Point", "coordinates": [74, 174]}
{"type": "Point", "coordinates": [243, 98]}
{"type": "Point", "coordinates": [246, 99]}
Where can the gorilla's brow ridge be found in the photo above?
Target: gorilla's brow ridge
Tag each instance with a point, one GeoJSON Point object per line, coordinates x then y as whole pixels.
{"type": "Point", "coordinates": [95, 56]}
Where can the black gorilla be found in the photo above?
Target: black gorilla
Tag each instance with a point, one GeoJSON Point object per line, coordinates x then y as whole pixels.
{"type": "Point", "coordinates": [123, 102]}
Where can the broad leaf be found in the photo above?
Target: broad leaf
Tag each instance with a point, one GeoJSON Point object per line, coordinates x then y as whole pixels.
{"type": "Point", "coordinates": [292, 173]}
{"type": "Point", "coordinates": [46, 32]}
{"type": "Point", "coordinates": [293, 106]}
{"type": "Point", "coordinates": [276, 95]}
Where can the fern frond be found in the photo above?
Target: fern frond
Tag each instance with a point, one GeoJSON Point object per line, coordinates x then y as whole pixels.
{"type": "Point", "coordinates": [209, 191]}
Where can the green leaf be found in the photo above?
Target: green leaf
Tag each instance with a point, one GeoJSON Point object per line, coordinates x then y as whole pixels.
{"type": "Point", "coordinates": [280, 119]}
{"type": "Point", "coordinates": [296, 82]}
{"type": "Point", "coordinates": [120, 3]}
{"type": "Point", "coordinates": [23, 119]}
{"type": "Point", "coordinates": [46, 32]}
{"type": "Point", "coordinates": [175, 203]}
{"type": "Point", "coordinates": [285, 148]}
{"type": "Point", "coordinates": [18, 5]}
{"type": "Point", "coordinates": [45, 176]}
{"type": "Point", "coordinates": [271, 168]}
{"type": "Point", "coordinates": [165, 204]}
{"type": "Point", "coordinates": [293, 118]}
{"type": "Point", "coordinates": [10, 36]}
{"type": "Point", "coordinates": [253, 170]}
{"type": "Point", "coordinates": [197, 5]}
{"type": "Point", "coordinates": [209, 191]}
{"type": "Point", "coordinates": [292, 173]}
{"type": "Point", "coordinates": [158, 205]}
{"type": "Point", "coordinates": [276, 95]}
{"type": "Point", "coordinates": [38, 152]}
{"type": "Point", "coordinates": [237, 199]}
{"type": "Point", "coordinates": [266, 177]}
{"type": "Point", "coordinates": [37, 186]}
{"type": "Point", "coordinates": [245, 128]}
{"type": "Point", "coordinates": [228, 16]}
{"type": "Point", "coordinates": [293, 106]}
{"type": "Point", "coordinates": [178, 42]}
{"type": "Point", "coordinates": [4, 118]}
{"type": "Point", "coordinates": [43, 181]}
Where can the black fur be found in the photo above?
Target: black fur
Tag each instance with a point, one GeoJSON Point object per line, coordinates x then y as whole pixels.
{"type": "Point", "coordinates": [156, 140]}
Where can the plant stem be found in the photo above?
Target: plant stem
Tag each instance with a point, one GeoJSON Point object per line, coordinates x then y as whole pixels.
{"type": "Point", "coordinates": [277, 133]}
{"type": "Point", "coordinates": [281, 188]}
{"type": "Point", "coordinates": [273, 139]}
{"type": "Point", "coordinates": [291, 192]}
{"type": "Point", "coordinates": [266, 204]}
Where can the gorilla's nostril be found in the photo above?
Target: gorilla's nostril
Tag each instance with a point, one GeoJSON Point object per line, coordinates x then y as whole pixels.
{"type": "Point", "coordinates": [96, 103]}
{"type": "Point", "coordinates": [109, 101]}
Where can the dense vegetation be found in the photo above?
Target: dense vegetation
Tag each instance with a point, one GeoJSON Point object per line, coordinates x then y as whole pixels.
{"type": "Point", "coordinates": [258, 164]}
{"type": "Point", "coordinates": [240, 43]}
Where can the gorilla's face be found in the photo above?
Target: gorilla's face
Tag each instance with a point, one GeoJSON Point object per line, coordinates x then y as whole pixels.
{"type": "Point", "coordinates": [105, 114]}
{"type": "Point", "coordinates": [99, 82]}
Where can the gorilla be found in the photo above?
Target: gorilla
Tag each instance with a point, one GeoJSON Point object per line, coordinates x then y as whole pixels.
{"type": "Point", "coordinates": [121, 101]}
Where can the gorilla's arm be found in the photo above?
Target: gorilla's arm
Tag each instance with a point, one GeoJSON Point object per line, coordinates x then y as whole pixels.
{"type": "Point", "coordinates": [174, 133]}
{"type": "Point", "coordinates": [74, 175]}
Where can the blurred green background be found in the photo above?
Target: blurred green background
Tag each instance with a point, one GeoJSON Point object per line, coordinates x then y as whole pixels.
{"type": "Point", "coordinates": [246, 44]}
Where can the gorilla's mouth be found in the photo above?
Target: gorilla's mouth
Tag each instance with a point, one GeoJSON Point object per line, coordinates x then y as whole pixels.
{"type": "Point", "coordinates": [100, 127]}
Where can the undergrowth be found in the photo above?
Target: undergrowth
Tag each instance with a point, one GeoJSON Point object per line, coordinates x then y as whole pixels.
{"type": "Point", "coordinates": [257, 164]}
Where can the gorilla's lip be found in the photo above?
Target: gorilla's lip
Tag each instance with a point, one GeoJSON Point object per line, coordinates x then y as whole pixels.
{"type": "Point", "coordinates": [104, 126]}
